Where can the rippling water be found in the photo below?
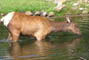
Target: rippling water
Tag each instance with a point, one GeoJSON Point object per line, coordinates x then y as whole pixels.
{"type": "Point", "coordinates": [59, 46]}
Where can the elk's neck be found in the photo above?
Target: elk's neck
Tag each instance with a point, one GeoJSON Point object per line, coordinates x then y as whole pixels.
{"type": "Point", "coordinates": [58, 26]}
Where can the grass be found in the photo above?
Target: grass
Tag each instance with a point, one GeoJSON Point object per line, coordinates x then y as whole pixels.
{"type": "Point", "coordinates": [25, 5]}
{"type": "Point", "coordinates": [38, 5]}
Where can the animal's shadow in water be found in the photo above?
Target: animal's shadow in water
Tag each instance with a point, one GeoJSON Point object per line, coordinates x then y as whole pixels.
{"type": "Point", "coordinates": [38, 48]}
{"type": "Point", "coordinates": [30, 49]}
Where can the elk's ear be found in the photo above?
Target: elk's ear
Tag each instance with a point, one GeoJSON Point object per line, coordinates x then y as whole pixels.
{"type": "Point", "coordinates": [68, 19]}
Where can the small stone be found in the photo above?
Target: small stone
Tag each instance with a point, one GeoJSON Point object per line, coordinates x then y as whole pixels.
{"type": "Point", "coordinates": [85, 11]}
{"type": "Point", "coordinates": [59, 8]}
{"type": "Point", "coordinates": [37, 13]}
{"type": "Point", "coordinates": [28, 13]}
{"type": "Point", "coordinates": [51, 14]}
{"type": "Point", "coordinates": [48, 0]}
{"type": "Point", "coordinates": [81, 9]}
{"type": "Point", "coordinates": [43, 13]}
{"type": "Point", "coordinates": [59, 1]}
{"type": "Point", "coordinates": [59, 4]}
{"type": "Point", "coordinates": [75, 4]}
{"type": "Point", "coordinates": [81, 58]}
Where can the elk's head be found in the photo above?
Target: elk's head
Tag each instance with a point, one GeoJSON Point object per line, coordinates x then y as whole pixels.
{"type": "Point", "coordinates": [71, 26]}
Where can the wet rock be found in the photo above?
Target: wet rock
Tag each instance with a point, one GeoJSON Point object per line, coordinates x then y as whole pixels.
{"type": "Point", "coordinates": [59, 8]}
{"type": "Point", "coordinates": [59, 1]}
{"type": "Point", "coordinates": [60, 5]}
{"type": "Point", "coordinates": [43, 13]}
{"type": "Point", "coordinates": [37, 13]}
{"type": "Point", "coordinates": [56, 2]}
{"type": "Point", "coordinates": [81, 58]}
{"type": "Point", "coordinates": [48, 0]}
{"type": "Point", "coordinates": [85, 11]}
{"type": "Point", "coordinates": [28, 13]}
{"type": "Point", "coordinates": [75, 4]}
{"type": "Point", "coordinates": [81, 9]}
{"type": "Point", "coordinates": [51, 14]}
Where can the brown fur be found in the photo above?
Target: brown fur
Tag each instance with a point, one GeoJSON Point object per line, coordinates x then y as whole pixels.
{"type": "Point", "coordinates": [36, 26]}
{"type": "Point", "coordinates": [64, 26]}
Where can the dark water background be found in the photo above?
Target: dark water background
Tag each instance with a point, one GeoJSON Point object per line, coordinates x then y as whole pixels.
{"type": "Point", "coordinates": [59, 46]}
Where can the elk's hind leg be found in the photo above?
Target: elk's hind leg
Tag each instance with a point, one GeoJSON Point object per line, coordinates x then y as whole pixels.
{"type": "Point", "coordinates": [40, 35]}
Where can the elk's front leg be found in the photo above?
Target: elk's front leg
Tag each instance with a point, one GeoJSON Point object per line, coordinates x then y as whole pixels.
{"type": "Point", "coordinates": [15, 35]}
{"type": "Point", "coordinates": [9, 37]}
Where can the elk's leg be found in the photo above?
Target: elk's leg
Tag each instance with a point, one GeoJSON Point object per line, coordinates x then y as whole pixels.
{"type": "Point", "coordinates": [9, 37]}
{"type": "Point", "coordinates": [40, 35]}
{"type": "Point", "coordinates": [15, 35]}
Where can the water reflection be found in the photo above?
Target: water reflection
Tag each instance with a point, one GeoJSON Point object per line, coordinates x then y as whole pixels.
{"type": "Point", "coordinates": [42, 48]}
{"type": "Point", "coordinates": [16, 50]}
{"type": "Point", "coordinates": [37, 48]}
{"type": "Point", "coordinates": [73, 46]}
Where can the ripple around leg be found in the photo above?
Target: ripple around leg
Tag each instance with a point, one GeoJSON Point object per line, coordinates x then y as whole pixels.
{"type": "Point", "coordinates": [4, 40]}
{"type": "Point", "coordinates": [28, 56]}
{"type": "Point", "coordinates": [6, 58]}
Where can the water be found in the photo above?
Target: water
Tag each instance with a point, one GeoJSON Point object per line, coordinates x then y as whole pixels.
{"type": "Point", "coordinates": [59, 46]}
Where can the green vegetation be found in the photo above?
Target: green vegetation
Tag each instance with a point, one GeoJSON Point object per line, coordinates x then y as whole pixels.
{"type": "Point", "coordinates": [25, 5]}
{"type": "Point", "coordinates": [38, 5]}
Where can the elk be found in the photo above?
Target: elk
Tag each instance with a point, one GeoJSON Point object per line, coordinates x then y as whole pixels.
{"type": "Point", "coordinates": [21, 24]}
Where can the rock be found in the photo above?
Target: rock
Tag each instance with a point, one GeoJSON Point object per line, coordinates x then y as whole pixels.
{"type": "Point", "coordinates": [51, 14]}
{"type": "Point", "coordinates": [43, 13]}
{"type": "Point", "coordinates": [75, 4]}
{"type": "Point", "coordinates": [81, 58]}
{"type": "Point", "coordinates": [56, 2]}
{"type": "Point", "coordinates": [59, 1]}
{"type": "Point", "coordinates": [37, 13]}
{"type": "Point", "coordinates": [28, 13]}
{"type": "Point", "coordinates": [2, 14]}
{"type": "Point", "coordinates": [85, 11]}
{"type": "Point", "coordinates": [48, 0]}
{"type": "Point", "coordinates": [59, 5]}
{"type": "Point", "coordinates": [81, 9]}
{"type": "Point", "coordinates": [59, 8]}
